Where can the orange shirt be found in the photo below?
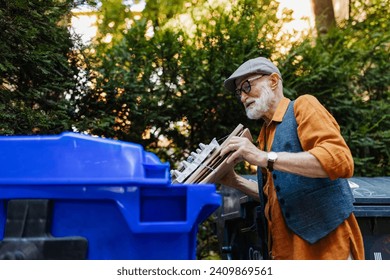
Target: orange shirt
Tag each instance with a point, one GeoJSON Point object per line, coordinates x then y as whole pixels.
{"type": "Point", "coordinates": [320, 135]}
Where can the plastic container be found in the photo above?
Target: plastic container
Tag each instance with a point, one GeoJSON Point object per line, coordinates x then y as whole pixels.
{"type": "Point", "coordinates": [372, 211]}
{"type": "Point", "coordinates": [238, 225]}
{"type": "Point", "coordinates": [94, 198]}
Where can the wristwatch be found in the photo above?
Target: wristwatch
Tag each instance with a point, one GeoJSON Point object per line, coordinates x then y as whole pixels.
{"type": "Point", "coordinates": [272, 157]}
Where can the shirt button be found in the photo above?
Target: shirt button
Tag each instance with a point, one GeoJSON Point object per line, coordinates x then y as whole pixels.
{"type": "Point", "coordinates": [274, 176]}
{"type": "Point", "coordinates": [277, 188]}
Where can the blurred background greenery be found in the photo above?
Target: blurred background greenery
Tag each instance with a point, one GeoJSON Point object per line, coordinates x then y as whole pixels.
{"type": "Point", "coordinates": [155, 75]}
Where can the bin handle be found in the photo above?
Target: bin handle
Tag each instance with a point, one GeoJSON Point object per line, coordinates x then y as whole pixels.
{"type": "Point", "coordinates": [199, 207]}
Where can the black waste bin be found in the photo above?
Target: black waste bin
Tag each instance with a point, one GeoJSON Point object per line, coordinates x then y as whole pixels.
{"type": "Point", "coordinates": [238, 223]}
{"type": "Point", "coordinates": [372, 210]}
{"type": "Point", "coordinates": [238, 226]}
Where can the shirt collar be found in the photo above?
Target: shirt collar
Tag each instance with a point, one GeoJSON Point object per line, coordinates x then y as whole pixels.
{"type": "Point", "coordinates": [281, 110]}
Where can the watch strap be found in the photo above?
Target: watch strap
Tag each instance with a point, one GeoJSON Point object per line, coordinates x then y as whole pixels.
{"type": "Point", "coordinates": [272, 157]}
{"type": "Point", "coordinates": [270, 165]}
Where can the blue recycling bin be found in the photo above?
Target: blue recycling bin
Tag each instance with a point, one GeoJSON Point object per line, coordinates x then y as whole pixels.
{"type": "Point", "coordinates": [74, 196]}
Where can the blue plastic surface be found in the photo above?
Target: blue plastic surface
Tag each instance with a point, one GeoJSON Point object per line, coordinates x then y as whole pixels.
{"type": "Point", "coordinates": [72, 158]}
{"type": "Point", "coordinates": [113, 193]}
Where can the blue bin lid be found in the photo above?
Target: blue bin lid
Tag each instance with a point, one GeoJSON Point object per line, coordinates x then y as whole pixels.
{"type": "Point", "coordinates": [73, 159]}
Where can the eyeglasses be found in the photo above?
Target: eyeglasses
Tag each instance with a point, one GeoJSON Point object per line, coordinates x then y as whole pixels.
{"type": "Point", "coordinates": [246, 86]}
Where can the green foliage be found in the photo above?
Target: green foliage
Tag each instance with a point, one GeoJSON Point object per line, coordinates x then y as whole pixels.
{"type": "Point", "coordinates": [169, 85]}
{"type": "Point", "coordinates": [347, 69]}
{"type": "Point", "coordinates": [37, 67]}
{"type": "Point", "coordinates": [208, 246]}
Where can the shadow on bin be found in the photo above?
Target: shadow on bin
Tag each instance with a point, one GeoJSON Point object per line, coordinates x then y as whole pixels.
{"type": "Point", "coordinates": [238, 223]}
{"type": "Point", "coordinates": [73, 196]}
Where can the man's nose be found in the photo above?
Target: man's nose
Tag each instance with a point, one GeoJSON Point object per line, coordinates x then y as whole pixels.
{"type": "Point", "coordinates": [243, 97]}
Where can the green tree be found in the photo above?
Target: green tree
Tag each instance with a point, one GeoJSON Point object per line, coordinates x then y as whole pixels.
{"type": "Point", "coordinates": [348, 70]}
{"type": "Point", "coordinates": [158, 84]}
{"type": "Point", "coordinates": [39, 67]}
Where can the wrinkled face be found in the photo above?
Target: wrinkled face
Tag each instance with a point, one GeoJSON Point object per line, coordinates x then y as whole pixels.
{"type": "Point", "coordinates": [257, 107]}
{"type": "Point", "coordinates": [256, 95]}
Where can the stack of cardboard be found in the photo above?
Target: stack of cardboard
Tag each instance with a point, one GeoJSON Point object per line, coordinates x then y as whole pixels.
{"type": "Point", "coordinates": [206, 165]}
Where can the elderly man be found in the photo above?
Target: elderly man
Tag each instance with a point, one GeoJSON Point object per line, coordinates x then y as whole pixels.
{"type": "Point", "coordinates": [302, 160]}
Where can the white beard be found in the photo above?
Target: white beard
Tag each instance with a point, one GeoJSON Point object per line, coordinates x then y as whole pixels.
{"type": "Point", "coordinates": [261, 106]}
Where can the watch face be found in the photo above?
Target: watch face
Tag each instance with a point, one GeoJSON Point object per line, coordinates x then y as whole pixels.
{"type": "Point", "coordinates": [272, 156]}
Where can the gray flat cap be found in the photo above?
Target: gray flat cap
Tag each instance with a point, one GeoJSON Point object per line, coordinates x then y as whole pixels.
{"type": "Point", "coordinates": [259, 65]}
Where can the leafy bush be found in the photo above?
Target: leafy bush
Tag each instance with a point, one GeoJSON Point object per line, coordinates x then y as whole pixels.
{"type": "Point", "coordinates": [38, 67]}
{"type": "Point", "coordinates": [347, 69]}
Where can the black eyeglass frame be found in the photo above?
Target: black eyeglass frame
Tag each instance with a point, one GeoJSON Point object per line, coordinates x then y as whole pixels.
{"type": "Point", "coordinates": [246, 86]}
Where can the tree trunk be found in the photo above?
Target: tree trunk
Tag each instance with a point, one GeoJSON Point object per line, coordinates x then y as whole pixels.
{"type": "Point", "coordinates": [324, 15]}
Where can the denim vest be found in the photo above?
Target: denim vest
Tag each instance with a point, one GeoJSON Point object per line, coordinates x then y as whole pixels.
{"type": "Point", "coordinates": [312, 207]}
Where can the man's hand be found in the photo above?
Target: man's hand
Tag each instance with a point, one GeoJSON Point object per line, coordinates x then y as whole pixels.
{"type": "Point", "coordinates": [242, 148]}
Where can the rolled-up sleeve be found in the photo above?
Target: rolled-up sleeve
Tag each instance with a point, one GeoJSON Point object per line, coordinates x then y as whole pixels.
{"type": "Point", "coordinates": [320, 135]}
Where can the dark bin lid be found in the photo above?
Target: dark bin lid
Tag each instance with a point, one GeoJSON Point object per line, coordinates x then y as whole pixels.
{"type": "Point", "coordinates": [366, 190]}
{"type": "Point", "coordinates": [371, 190]}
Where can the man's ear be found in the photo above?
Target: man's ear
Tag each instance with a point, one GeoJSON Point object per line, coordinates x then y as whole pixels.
{"type": "Point", "coordinates": [274, 80]}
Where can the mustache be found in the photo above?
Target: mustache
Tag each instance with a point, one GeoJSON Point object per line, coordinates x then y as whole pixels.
{"type": "Point", "coordinates": [249, 101]}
